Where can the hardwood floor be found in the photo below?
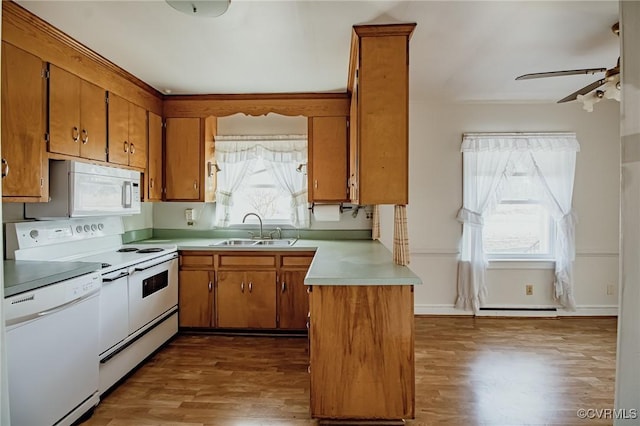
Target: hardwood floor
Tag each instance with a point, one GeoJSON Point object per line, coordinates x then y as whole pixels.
{"type": "Point", "coordinates": [469, 371]}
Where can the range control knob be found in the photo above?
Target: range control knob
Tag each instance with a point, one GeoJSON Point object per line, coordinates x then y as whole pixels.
{"type": "Point", "coordinates": [100, 226]}
{"type": "Point", "coordinates": [94, 227]}
{"type": "Point", "coordinates": [87, 228]}
{"type": "Point", "coordinates": [78, 229]}
{"type": "Point", "coordinates": [34, 233]}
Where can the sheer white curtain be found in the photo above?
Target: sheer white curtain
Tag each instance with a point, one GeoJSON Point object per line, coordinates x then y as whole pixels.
{"type": "Point", "coordinates": [487, 163]}
{"type": "Point", "coordinates": [556, 170]}
{"type": "Point", "coordinates": [281, 158]}
{"type": "Point", "coordinates": [235, 159]}
{"type": "Point", "coordinates": [281, 154]}
{"type": "Point", "coordinates": [483, 177]}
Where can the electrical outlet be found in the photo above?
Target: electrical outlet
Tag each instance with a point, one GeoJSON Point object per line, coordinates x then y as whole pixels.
{"type": "Point", "coordinates": [188, 215]}
{"type": "Point", "coordinates": [529, 289]}
{"type": "Point", "coordinates": [610, 289]}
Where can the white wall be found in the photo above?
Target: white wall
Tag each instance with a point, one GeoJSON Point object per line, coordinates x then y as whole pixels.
{"type": "Point", "coordinates": [435, 195]}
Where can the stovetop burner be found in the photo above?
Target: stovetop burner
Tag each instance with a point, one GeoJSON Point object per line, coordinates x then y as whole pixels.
{"type": "Point", "coordinates": [127, 249]}
{"type": "Point", "coordinates": [150, 250]}
{"type": "Point", "coordinates": [105, 265]}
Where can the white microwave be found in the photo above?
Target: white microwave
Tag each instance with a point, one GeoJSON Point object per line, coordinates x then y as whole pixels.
{"type": "Point", "coordinates": [78, 189]}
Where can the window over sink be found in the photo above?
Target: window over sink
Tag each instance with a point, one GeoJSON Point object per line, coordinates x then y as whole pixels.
{"type": "Point", "coordinates": [260, 174]}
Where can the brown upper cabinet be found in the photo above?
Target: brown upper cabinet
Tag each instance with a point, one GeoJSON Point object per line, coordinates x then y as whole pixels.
{"type": "Point", "coordinates": [379, 86]}
{"type": "Point", "coordinates": [327, 168]}
{"type": "Point", "coordinates": [127, 133]}
{"type": "Point", "coordinates": [183, 153]}
{"type": "Point", "coordinates": [77, 116]}
{"type": "Point", "coordinates": [190, 170]}
{"type": "Point", "coordinates": [24, 161]}
{"type": "Point", "coordinates": [154, 183]}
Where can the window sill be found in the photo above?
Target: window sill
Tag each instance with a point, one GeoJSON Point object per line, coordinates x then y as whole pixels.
{"type": "Point", "coordinates": [522, 264]}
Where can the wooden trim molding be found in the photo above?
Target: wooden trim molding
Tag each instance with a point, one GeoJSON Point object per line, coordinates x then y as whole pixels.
{"type": "Point", "coordinates": [290, 104]}
{"type": "Point", "coordinates": [25, 30]}
{"type": "Point", "coordinates": [372, 30]}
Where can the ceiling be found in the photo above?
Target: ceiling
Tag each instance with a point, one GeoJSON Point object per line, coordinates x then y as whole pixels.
{"type": "Point", "coordinates": [461, 51]}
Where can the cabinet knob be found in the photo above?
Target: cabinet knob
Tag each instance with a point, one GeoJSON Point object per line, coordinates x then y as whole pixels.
{"type": "Point", "coordinates": [74, 134]}
{"type": "Point", "coordinates": [284, 286]}
{"type": "Point", "coordinates": [210, 286]}
{"type": "Point", "coordinates": [242, 286]}
{"type": "Point", "coordinates": [250, 286]}
{"type": "Point", "coordinates": [150, 182]}
{"type": "Point", "coordinates": [315, 183]}
{"type": "Point", "coordinates": [85, 136]}
{"type": "Point", "coordinates": [5, 168]}
{"type": "Point", "coordinates": [195, 185]}
{"type": "Point", "coordinates": [132, 149]}
{"type": "Point", "coordinates": [126, 146]}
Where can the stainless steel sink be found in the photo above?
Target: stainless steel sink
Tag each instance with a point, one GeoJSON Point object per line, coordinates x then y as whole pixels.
{"type": "Point", "coordinates": [276, 242]}
{"type": "Point", "coordinates": [241, 242]}
{"type": "Point", "coordinates": [236, 242]}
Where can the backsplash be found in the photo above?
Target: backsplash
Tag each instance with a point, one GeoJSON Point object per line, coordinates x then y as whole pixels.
{"type": "Point", "coordinates": [172, 216]}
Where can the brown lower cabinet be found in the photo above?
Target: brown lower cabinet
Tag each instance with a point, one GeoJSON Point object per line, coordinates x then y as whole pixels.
{"type": "Point", "coordinates": [246, 299]}
{"type": "Point", "coordinates": [243, 290]}
{"type": "Point", "coordinates": [196, 293]}
{"type": "Point", "coordinates": [361, 344]}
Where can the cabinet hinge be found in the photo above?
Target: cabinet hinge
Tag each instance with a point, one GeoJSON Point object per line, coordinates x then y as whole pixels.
{"type": "Point", "coordinates": [41, 182]}
{"type": "Point", "coordinates": [46, 137]}
{"type": "Point", "coordinates": [164, 124]}
{"type": "Point", "coordinates": [45, 73]}
{"type": "Point", "coordinates": [106, 98]}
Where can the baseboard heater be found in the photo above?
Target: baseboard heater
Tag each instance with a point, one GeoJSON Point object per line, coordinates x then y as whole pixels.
{"type": "Point", "coordinates": [521, 309]}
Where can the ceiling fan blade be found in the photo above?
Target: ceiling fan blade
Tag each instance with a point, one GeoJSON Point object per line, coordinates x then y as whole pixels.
{"type": "Point", "coordinates": [583, 91]}
{"type": "Point", "coordinates": [560, 73]}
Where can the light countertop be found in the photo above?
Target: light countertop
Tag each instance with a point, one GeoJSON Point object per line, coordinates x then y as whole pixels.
{"type": "Point", "coordinates": [336, 262]}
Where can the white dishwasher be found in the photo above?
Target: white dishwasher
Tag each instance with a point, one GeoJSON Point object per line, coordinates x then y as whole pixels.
{"type": "Point", "coordinates": [52, 351]}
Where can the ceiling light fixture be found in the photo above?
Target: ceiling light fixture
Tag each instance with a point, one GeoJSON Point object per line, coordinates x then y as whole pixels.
{"type": "Point", "coordinates": [610, 90]}
{"type": "Point", "coordinates": [205, 8]}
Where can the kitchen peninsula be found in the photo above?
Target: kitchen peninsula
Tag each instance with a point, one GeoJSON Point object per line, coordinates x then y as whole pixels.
{"type": "Point", "coordinates": [360, 315]}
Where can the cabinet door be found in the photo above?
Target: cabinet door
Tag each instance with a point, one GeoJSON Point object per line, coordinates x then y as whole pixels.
{"type": "Point", "coordinates": [293, 300]}
{"type": "Point", "coordinates": [64, 112]}
{"type": "Point", "coordinates": [118, 130]}
{"type": "Point", "coordinates": [383, 120]}
{"type": "Point", "coordinates": [93, 122]}
{"type": "Point", "coordinates": [232, 307]}
{"type": "Point", "coordinates": [182, 145]}
{"type": "Point", "coordinates": [23, 124]}
{"type": "Point", "coordinates": [196, 298]}
{"type": "Point", "coordinates": [154, 168]}
{"type": "Point", "coordinates": [328, 159]}
{"type": "Point", "coordinates": [137, 136]}
{"type": "Point", "coordinates": [261, 299]}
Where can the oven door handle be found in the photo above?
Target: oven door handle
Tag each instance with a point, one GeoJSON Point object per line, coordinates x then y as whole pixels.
{"type": "Point", "coordinates": [108, 280]}
{"type": "Point", "coordinates": [155, 264]}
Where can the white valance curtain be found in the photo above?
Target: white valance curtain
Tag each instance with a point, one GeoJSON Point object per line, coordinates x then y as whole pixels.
{"type": "Point", "coordinates": [281, 154]}
{"type": "Point", "coordinates": [488, 161]}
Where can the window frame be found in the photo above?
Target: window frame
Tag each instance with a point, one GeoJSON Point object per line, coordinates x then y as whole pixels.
{"type": "Point", "coordinates": [526, 257]}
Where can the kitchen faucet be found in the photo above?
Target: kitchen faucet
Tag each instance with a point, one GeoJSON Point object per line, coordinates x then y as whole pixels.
{"type": "Point", "coordinates": [259, 219]}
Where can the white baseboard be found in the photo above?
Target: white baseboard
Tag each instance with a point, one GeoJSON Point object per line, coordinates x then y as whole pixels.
{"type": "Point", "coordinates": [581, 311]}
{"type": "Point", "coordinates": [425, 309]}
{"type": "Point", "coordinates": [591, 311]}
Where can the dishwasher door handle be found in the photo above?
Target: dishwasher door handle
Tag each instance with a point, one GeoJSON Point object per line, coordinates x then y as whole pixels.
{"type": "Point", "coordinates": [52, 310]}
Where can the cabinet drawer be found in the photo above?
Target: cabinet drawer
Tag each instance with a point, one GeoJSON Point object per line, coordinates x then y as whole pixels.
{"type": "Point", "coordinates": [192, 260]}
{"type": "Point", "coordinates": [302, 261]}
{"type": "Point", "coordinates": [252, 261]}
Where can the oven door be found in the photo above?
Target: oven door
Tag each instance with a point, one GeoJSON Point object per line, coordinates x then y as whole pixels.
{"type": "Point", "coordinates": [153, 290]}
{"type": "Point", "coordinates": [114, 309]}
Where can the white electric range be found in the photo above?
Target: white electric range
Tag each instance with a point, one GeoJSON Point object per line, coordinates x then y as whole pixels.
{"type": "Point", "coordinates": [139, 293]}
